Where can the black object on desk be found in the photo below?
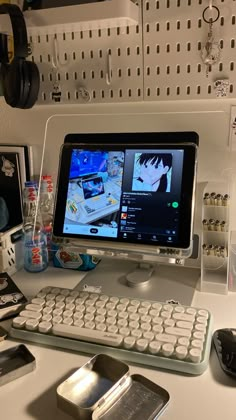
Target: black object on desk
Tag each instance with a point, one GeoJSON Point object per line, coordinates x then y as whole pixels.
{"type": "Point", "coordinates": [225, 344]}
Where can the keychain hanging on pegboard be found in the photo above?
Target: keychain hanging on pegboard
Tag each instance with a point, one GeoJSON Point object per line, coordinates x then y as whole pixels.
{"type": "Point", "coordinates": [211, 52]}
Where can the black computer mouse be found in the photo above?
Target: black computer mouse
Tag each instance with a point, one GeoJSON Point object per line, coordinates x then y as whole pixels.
{"type": "Point", "coordinates": [225, 344]}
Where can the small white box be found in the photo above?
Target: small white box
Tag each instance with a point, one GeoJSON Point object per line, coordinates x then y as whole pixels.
{"type": "Point", "coordinates": [11, 250]}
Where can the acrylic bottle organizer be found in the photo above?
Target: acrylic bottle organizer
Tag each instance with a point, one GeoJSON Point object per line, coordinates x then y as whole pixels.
{"type": "Point", "coordinates": [215, 238]}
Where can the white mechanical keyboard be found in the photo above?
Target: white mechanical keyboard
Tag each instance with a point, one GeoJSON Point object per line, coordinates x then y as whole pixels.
{"type": "Point", "coordinates": [157, 334]}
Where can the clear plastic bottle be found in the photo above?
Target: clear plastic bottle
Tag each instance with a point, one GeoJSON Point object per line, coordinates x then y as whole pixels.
{"type": "Point", "coordinates": [46, 208]}
{"type": "Point", "coordinates": [35, 239]}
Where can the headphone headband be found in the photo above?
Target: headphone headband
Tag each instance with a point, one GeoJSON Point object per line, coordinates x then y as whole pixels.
{"type": "Point", "coordinates": [18, 28]}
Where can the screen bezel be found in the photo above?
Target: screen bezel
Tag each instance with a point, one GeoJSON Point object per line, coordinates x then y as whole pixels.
{"type": "Point", "coordinates": [187, 191]}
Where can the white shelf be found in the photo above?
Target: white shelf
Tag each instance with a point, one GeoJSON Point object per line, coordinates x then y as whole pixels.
{"type": "Point", "coordinates": [98, 15]}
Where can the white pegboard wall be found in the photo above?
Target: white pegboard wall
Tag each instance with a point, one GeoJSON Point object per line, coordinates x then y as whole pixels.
{"type": "Point", "coordinates": [82, 61]}
{"type": "Point", "coordinates": [157, 60]}
{"type": "Point", "coordinates": [174, 35]}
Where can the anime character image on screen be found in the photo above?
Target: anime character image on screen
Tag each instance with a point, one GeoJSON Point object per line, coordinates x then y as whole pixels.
{"type": "Point", "coordinates": [94, 192]}
{"type": "Point", "coordinates": [152, 172]}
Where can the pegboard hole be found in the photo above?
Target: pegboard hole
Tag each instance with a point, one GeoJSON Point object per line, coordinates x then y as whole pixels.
{"type": "Point", "coordinates": [178, 25]}
{"type": "Point", "coordinates": [199, 23]}
{"type": "Point", "coordinates": [147, 5]}
{"type": "Point", "coordinates": [148, 91]}
{"type": "Point", "coordinates": [120, 93]}
{"type": "Point", "coordinates": [178, 69]}
{"type": "Point", "coordinates": [158, 91]}
{"type": "Point", "coordinates": [128, 72]}
{"type": "Point", "coordinates": [177, 90]}
{"type": "Point", "coordinates": [129, 93]}
{"type": "Point", "coordinates": [233, 20]}
{"type": "Point", "coordinates": [188, 90]}
{"type": "Point", "coordinates": [157, 27]}
{"type": "Point", "coordinates": [188, 68]}
{"type": "Point", "coordinates": [158, 70]}
{"type": "Point", "coordinates": [75, 75]}
{"type": "Point", "coordinates": [157, 4]}
{"type": "Point", "coordinates": [138, 71]}
{"type": "Point", "coordinates": [94, 94]}
{"type": "Point", "coordinates": [168, 91]}
{"type": "Point", "coordinates": [232, 66]}
{"type": "Point", "coordinates": [199, 68]}
{"type": "Point", "coordinates": [232, 43]}
{"type": "Point", "coordinates": [178, 47]}
{"type": "Point", "coordinates": [167, 48]}
{"type": "Point", "coordinates": [188, 24]}
{"type": "Point", "coordinates": [92, 74]}
{"type": "Point", "coordinates": [209, 89]}
{"type": "Point", "coordinates": [139, 92]}
{"type": "Point", "coordinates": [91, 54]}
{"type": "Point", "coordinates": [198, 90]}
{"type": "Point", "coordinates": [128, 50]}
{"type": "Point", "coordinates": [167, 69]}
{"type": "Point", "coordinates": [119, 72]}
{"type": "Point", "coordinates": [167, 26]}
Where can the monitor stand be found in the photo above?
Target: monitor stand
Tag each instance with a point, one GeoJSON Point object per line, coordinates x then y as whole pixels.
{"type": "Point", "coordinates": [150, 282]}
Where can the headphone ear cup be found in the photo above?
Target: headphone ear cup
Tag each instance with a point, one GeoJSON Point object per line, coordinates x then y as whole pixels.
{"type": "Point", "coordinates": [34, 84]}
{"type": "Point", "coordinates": [11, 82]}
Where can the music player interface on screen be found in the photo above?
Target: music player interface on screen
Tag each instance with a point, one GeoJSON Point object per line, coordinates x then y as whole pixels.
{"type": "Point", "coordinates": [127, 194]}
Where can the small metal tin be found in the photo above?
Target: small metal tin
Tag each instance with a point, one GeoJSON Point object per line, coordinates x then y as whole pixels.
{"type": "Point", "coordinates": [15, 362]}
{"type": "Point", "coordinates": [103, 389]}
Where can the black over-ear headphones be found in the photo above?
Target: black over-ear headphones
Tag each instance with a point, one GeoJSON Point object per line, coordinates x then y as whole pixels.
{"type": "Point", "coordinates": [20, 78]}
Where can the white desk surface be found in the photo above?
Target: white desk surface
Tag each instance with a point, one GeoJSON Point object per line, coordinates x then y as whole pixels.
{"type": "Point", "coordinates": [211, 395]}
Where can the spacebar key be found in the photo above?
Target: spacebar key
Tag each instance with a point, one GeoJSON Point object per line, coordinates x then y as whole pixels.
{"type": "Point", "coordinates": [84, 334]}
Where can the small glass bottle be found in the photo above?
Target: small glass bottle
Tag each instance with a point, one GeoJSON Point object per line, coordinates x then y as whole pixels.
{"type": "Point", "coordinates": [30, 194]}
{"type": "Point", "coordinates": [35, 240]}
{"type": "Point", "coordinates": [35, 248]}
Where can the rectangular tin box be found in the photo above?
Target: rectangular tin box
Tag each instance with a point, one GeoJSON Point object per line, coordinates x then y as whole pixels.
{"type": "Point", "coordinates": [103, 389]}
{"type": "Point", "coordinates": [15, 362]}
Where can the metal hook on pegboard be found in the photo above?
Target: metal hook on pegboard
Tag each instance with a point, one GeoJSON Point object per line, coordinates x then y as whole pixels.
{"type": "Point", "coordinates": [109, 68]}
